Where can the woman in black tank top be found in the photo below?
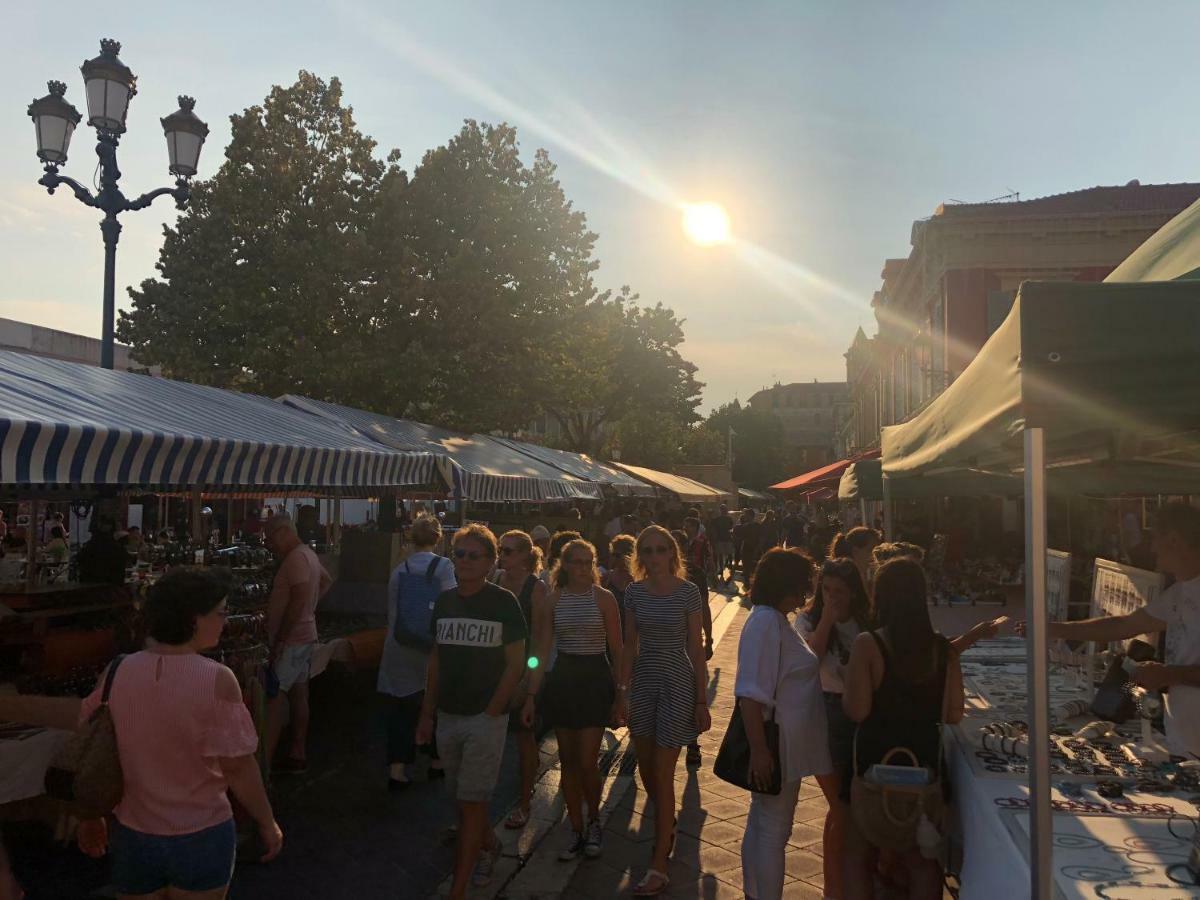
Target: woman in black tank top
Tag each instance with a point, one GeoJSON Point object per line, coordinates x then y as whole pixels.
{"type": "Point", "coordinates": [520, 561]}
{"type": "Point", "coordinates": [902, 681]}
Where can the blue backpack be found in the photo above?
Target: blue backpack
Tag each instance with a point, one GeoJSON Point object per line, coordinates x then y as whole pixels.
{"type": "Point", "coordinates": [415, 595]}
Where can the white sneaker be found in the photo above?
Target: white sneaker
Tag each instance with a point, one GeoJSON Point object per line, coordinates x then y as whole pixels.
{"type": "Point", "coordinates": [573, 849]}
{"type": "Point", "coordinates": [486, 865]}
{"type": "Point", "coordinates": [593, 844]}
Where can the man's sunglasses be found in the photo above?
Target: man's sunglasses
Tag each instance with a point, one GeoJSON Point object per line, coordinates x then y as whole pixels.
{"type": "Point", "coordinates": [472, 555]}
{"type": "Point", "coordinates": [653, 549]}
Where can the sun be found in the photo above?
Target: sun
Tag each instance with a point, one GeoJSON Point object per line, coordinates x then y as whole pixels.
{"type": "Point", "coordinates": [706, 223]}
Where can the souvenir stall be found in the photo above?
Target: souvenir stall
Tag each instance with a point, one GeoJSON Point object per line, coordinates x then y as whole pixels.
{"type": "Point", "coordinates": [1084, 390]}
{"type": "Point", "coordinates": [76, 432]}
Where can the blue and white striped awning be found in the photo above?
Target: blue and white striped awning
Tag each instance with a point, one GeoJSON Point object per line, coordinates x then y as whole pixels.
{"type": "Point", "coordinates": [480, 467]}
{"type": "Point", "coordinates": [584, 467]}
{"type": "Point", "coordinates": [69, 424]}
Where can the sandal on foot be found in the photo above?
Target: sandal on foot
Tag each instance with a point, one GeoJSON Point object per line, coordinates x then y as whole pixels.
{"type": "Point", "coordinates": [518, 818]}
{"type": "Point", "coordinates": [652, 884]}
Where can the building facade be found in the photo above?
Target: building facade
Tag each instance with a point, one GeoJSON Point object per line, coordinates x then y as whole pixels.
{"type": "Point", "coordinates": [937, 308]}
{"type": "Point", "coordinates": [811, 414]}
{"type": "Point", "coordinates": [51, 343]}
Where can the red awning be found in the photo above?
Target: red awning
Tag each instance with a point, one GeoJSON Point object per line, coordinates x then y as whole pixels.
{"type": "Point", "coordinates": [826, 476]}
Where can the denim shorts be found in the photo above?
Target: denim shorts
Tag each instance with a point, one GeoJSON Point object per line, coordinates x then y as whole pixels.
{"type": "Point", "coordinates": [145, 863]}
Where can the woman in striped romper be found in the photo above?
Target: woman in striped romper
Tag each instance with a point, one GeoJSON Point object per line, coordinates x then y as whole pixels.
{"type": "Point", "coordinates": [668, 706]}
{"type": "Point", "coordinates": [582, 618]}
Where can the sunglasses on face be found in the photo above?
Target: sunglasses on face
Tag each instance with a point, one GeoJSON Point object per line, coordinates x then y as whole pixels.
{"type": "Point", "coordinates": [578, 561]}
{"type": "Point", "coordinates": [505, 551]}
{"type": "Point", "coordinates": [654, 549]}
{"type": "Point", "coordinates": [472, 555]}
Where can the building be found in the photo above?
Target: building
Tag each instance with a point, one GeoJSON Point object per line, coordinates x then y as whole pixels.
{"type": "Point", "coordinates": [811, 413]}
{"type": "Point", "coordinates": [51, 343]}
{"type": "Point", "coordinates": [937, 307]}
{"type": "Point", "coordinates": [859, 426]}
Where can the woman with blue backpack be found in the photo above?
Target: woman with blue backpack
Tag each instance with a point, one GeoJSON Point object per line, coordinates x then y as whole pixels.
{"type": "Point", "coordinates": [412, 589]}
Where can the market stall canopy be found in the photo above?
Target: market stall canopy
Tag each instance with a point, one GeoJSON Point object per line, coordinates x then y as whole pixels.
{"type": "Point", "coordinates": [683, 488]}
{"type": "Point", "coordinates": [1171, 253]}
{"type": "Point", "coordinates": [585, 468]}
{"type": "Point", "coordinates": [825, 476]}
{"type": "Point", "coordinates": [863, 480]}
{"type": "Point", "coordinates": [69, 424]}
{"type": "Point", "coordinates": [478, 467]}
{"type": "Point", "coordinates": [749, 494]}
{"type": "Point", "coordinates": [1110, 371]}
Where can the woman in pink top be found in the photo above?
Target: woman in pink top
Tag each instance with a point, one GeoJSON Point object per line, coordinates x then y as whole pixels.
{"type": "Point", "coordinates": [185, 738]}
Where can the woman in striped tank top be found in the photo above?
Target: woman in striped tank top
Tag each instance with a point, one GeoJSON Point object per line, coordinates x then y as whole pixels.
{"type": "Point", "coordinates": [581, 696]}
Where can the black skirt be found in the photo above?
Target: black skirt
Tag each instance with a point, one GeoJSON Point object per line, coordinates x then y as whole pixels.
{"type": "Point", "coordinates": [579, 692]}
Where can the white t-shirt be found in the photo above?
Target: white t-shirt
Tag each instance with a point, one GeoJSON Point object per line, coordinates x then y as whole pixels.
{"type": "Point", "coordinates": [1179, 607]}
{"type": "Point", "coordinates": [833, 670]}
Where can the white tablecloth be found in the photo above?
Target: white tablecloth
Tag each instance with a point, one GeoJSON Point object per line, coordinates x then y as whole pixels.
{"type": "Point", "coordinates": [23, 762]}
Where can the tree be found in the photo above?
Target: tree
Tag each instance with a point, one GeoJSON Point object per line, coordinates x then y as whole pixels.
{"type": "Point", "coordinates": [759, 453]}
{"type": "Point", "coordinates": [482, 264]}
{"type": "Point", "coordinates": [462, 295]}
{"type": "Point", "coordinates": [261, 278]}
{"type": "Point", "coordinates": [614, 360]}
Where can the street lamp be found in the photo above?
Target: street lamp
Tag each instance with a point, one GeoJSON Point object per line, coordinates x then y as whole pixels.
{"type": "Point", "coordinates": [110, 85]}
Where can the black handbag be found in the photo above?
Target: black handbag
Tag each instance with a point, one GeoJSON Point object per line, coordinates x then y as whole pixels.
{"type": "Point", "coordinates": [733, 759]}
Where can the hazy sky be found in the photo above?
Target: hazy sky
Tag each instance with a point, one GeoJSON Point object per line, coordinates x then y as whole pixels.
{"type": "Point", "coordinates": [825, 128]}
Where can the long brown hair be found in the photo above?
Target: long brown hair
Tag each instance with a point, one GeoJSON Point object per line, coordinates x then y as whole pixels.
{"type": "Point", "coordinates": [676, 568]}
{"type": "Point", "coordinates": [901, 608]}
{"type": "Point", "coordinates": [854, 539]}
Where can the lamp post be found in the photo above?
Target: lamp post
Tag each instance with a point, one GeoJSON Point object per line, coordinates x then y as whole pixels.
{"type": "Point", "coordinates": [110, 85]}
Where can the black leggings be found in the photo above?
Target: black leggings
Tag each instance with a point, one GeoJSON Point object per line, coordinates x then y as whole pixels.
{"type": "Point", "coordinates": [401, 717]}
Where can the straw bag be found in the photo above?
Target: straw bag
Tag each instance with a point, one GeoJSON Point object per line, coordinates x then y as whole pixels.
{"type": "Point", "coordinates": [888, 815]}
{"type": "Point", "coordinates": [86, 774]}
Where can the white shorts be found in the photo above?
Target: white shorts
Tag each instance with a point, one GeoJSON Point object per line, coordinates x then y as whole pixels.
{"type": "Point", "coordinates": [293, 664]}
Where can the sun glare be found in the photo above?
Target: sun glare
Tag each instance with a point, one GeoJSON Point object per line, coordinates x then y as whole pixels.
{"type": "Point", "coordinates": [706, 223]}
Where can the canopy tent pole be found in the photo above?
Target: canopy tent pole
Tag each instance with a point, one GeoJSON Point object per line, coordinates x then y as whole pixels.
{"type": "Point", "coordinates": [862, 511]}
{"type": "Point", "coordinates": [887, 509]}
{"type": "Point", "coordinates": [197, 521]}
{"type": "Point", "coordinates": [1041, 825]}
{"type": "Point", "coordinates": [32, 542]}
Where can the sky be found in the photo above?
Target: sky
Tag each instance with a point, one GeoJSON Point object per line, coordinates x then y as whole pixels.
{"type": "Point", "coordinates": [824, 128]}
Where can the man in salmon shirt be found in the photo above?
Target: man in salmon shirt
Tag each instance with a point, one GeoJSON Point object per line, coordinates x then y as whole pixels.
{"type": "Point", "coordinates": [292, 631]}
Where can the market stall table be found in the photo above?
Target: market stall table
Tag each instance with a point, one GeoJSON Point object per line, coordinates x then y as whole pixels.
{"type": "Point", "coordinates": [1103, 846]}
{"type": "Point", "coordinates": [25, 753]}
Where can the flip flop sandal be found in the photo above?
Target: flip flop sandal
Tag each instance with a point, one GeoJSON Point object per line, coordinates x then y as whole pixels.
{"type": "Point", "coordinates": [645, 887]}
{"type": "Point", "coordinates": [518, 818]}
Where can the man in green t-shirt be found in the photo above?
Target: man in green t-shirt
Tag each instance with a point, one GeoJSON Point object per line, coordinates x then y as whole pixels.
{"type": "Point", "coordinates": [477, 660]}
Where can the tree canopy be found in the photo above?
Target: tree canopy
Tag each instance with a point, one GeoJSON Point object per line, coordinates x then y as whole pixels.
{"type": "Point", "coordinates": [462, 295]}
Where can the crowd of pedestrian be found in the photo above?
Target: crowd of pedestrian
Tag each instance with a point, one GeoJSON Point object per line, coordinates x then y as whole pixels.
{"type": "Point", "coordinates": [535, 631]}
